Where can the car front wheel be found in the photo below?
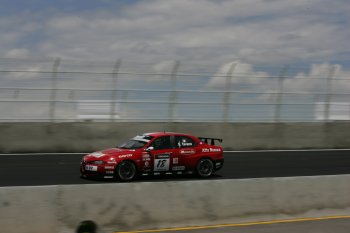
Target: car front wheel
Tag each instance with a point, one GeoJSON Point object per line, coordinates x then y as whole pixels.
{"type": "Point", "coordinates": [126, 171]}
{"type": "Point", "coordinates": [205, 167]}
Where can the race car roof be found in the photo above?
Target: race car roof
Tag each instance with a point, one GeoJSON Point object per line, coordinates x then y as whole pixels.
{"type": "Point", "coordinates": [156, 134]}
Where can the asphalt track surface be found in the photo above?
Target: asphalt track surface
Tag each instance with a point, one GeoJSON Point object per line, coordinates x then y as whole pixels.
{"type": "Point", "coordinates": [60, 169]}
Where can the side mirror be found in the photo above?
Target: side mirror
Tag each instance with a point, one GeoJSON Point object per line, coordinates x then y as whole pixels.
{"type": "Point", "coordinates": [149, 148]}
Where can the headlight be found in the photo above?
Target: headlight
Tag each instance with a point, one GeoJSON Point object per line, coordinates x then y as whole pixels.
{"type": "Point", "coordinates": [97, 154]}
{"type": "Point", "coordinates": [98, 162]}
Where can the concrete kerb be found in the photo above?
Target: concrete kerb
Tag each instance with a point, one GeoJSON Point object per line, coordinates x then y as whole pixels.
{"type": "Point", "coordinates": [129, 206]}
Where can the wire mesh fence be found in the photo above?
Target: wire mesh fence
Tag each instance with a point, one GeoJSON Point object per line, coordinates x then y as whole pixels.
{"type": "Point", "coordinates": [70, 90]}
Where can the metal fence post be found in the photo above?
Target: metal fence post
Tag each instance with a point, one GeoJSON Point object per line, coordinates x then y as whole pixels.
{"type": "Point", "coordinates": [114, 87]}
{"type": "Point", "coordinates": [52, 110]}
{"type": "Point", "coordinates": [227, 93]}
{"type": "Point", "coordinates": [124, 98]}
{"type": "Point", "coordinates": [279, 95]}
{"type": "Point", "coordinates": [16, 93]}
{"type": "Point", "coordinates": [329, 93]}
{"type": "Point", "coordinates": [72, 99]}
{"type": "Point", "coordinates": [173, 94]}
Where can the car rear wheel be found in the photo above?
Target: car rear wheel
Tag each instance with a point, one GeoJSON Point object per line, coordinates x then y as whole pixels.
{"type": "Point", "coordinates": [205, 167]}
{"type": "Point", "coordinates": [126, 171]}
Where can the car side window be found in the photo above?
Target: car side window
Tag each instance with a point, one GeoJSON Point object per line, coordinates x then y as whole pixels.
{"type": "Point", "coordinates": [162, 143]}
{"type": "Point", "coordinates": [184, 141]}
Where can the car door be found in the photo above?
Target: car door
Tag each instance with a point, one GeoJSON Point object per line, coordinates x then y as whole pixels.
{"type": "Point", "coordinates": [162, 154]}
{"type": "Point", "coordinates": [186, 148]}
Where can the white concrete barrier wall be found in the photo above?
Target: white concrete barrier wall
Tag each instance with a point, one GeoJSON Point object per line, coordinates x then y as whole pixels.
{"type": "Point", "coordinates": [142, 205]}
{"type": "Point", "coordinates": [92, 136]}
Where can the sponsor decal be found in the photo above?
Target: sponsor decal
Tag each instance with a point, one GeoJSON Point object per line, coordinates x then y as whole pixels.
{"type": "Point", "coordinates": [187, 152]}
{"type": "Point", "coordinates": [211, 150]}
{"type": "Point", "coordinates": [90, 168]}
{"type": "Point", "coordinates": [187, 144]}
{"type": "Point", "coordinates": [178, 168]}
{"type": "Point", "coordinates": [205, 150]}
{"type": "Point", "coordinates": [146, 164]}
{"type": "Point", "coordinates": [125, 156]}
{"type": "Point", "coordinates": [163, 156]}
{"type": "Point", "coordinates": [111, 162]}
{"type": "Point", "coordinates": [184, 144]}
{"type": "Point", "coordinates": [109, 167]}
{"type": "Point", "coordinates": [109, 172]}
{"type": "Point", "coordinates": [146, 157]}
{"type": "Point", "coordinates": [175, 160]}
{"type": "Point", "coordinates": [215, 150]}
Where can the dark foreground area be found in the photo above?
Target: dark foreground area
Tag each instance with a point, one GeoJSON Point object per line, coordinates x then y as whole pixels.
{"type": "Point", "coordinates": [310, 226]}
{"type": "Point", "coordinates": [55, 169]}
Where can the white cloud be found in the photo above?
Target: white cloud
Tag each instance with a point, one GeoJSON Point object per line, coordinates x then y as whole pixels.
{"type": "Point", "coordinates": [28, 73]}
{"type": "Point", "coordinates": [17, 53]}
{"type": "Point", "coordinates": [317, 80]}
{"type": "Point", "coordinates": [241, 75]}
{"type": "Point", "coordinates": [214, 32]}
{"type": "Point", "coordinates": [210, 32]}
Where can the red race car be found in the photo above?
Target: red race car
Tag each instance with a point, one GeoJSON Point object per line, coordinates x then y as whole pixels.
{"type": "Point", "coordinates": [155, 154]}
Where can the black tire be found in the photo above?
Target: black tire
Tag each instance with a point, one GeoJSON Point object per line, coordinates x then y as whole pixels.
{"type": "Point", "coordinates": [126, 171]}
{"type": "Point", "coordinates": [205, 167]}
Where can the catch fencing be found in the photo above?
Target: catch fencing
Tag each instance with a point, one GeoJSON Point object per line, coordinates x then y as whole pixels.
{"type": "Point", "coordinates": [170, 91]}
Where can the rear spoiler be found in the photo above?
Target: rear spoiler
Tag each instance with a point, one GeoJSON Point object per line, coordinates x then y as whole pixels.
{"type": "Point", "coordinates": [212, 142]}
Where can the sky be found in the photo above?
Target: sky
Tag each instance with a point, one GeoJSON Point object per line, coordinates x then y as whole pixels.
{"type": "Point", "coordinates": [258, 32]}
{"type": "Point", "coordinates": [256, 37]}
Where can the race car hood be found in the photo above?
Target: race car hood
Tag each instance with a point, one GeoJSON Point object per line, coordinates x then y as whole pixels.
{"type": "Point", "coordinates": [115, 153]}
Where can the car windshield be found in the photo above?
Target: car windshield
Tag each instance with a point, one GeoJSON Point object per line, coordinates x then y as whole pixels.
{"type": "Point", "coordinates": [133, 144]}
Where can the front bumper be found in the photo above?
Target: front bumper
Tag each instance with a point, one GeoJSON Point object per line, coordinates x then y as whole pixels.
{"type": "Point", "coordinates": [97, 171]}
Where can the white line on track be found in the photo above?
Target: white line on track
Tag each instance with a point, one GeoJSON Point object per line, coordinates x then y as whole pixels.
{"type": "Point", "coordinates": [226, 151]}
{"type": "Point", "coordinates": [47, 153]}
{"type": "Point", "coordinates": [258, 151]}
